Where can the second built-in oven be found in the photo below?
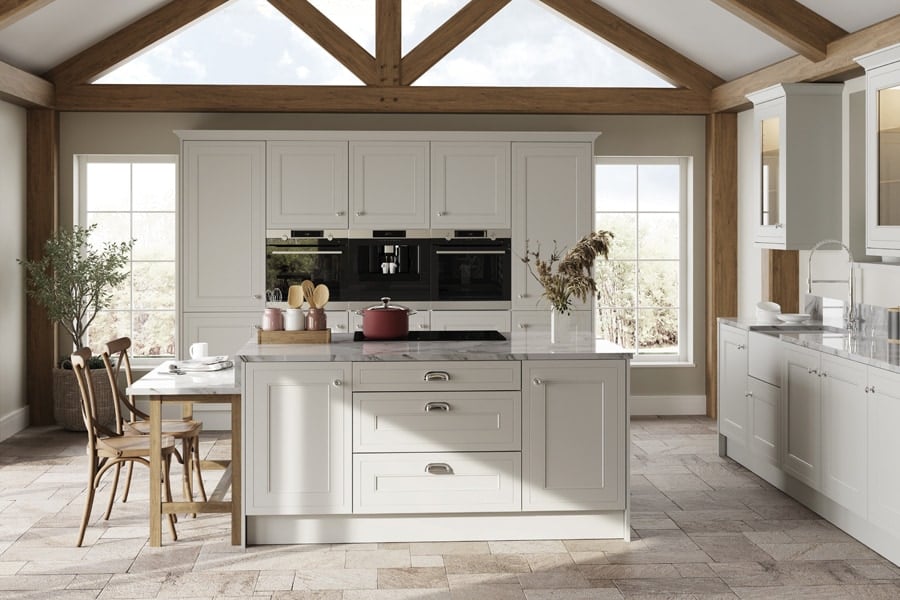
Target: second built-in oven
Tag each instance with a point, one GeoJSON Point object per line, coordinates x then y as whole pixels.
{"type": "Point", "coordinates": [293, 257]}
{"type": "Point", "coordinates": [470, 269]}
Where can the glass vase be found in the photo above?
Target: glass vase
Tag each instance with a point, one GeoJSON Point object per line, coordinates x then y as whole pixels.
{"type": "Point", "coordinates": [560, 326]}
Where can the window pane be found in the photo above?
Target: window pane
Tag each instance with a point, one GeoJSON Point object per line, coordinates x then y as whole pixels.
{"type": "Point", "coordinates": [615, 284]}
{"type": "Point", "coordinates": [624, 229]}
{"type": "Point", "coordinates": [154, 236]}
{"type": "Point", "coordinates": [659, 187]}
{"type": "Point", "coordinates": [111, 227]}
{"type": "Point", "coordinates": [658, 235]}
{"type": "Point", "coordinates": [617, 326]}
{"type": "Point", "coordinates": [154, 285]}
{"type": "Point", "coordinates": [154, 186]}
{"type": "Point", "coordinates": [121, 295]}
{"type": "Point", "coordinates": [658, 284]}
{"type": "Point", "coordinates": [616, 187]}
{"type": "Point", "coordinates": [658, 331]}
{"type": "Point", "coordinates": [108, 186]}
{"type": "Point", "coordinates": [154, 334]}
{"type": "Point", "coordinates": [108, 325]}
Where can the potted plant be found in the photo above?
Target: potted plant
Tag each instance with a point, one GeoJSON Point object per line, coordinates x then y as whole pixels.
{"type": "Point", "coordinates": [573, 277]}
{"type": "Point", "coordinates": [73, 281]}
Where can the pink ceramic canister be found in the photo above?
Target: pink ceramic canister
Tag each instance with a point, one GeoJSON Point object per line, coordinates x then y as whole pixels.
{"type": "Point", "coordinates": [272, 320]}
{"type": "Point", "coordinates": [316, 320]}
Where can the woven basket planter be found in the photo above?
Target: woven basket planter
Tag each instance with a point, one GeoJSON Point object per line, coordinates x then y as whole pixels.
{"type": "Point", "coordinates": [67, 399]}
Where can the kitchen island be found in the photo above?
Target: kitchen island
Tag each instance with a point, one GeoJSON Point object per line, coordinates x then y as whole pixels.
{"type": "Point", "coordinates": [418, 441]}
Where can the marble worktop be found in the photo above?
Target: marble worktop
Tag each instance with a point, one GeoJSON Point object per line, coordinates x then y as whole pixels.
{"type": "Point", "coordinates": [872, 350]}
{"type": "Point", "coordinates": [162, 381]}
{"type": "Point", "coordinates": [518, 346]}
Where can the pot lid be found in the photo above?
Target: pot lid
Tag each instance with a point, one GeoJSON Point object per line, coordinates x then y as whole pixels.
{"type": "Point", "coordinates": [387, 306]}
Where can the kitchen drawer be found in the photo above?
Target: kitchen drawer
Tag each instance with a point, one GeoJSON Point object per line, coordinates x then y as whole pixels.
{"type": "Point", "coordinates": [338, 321]}
{"type": "Point", "coordinates": [765, 357]}
{"type": "Point", "coordinates": [437, 376]}
{"type": "Point", "coordinates": [445, 421]}
{"type": "Point", "coordinates": [437, 482]}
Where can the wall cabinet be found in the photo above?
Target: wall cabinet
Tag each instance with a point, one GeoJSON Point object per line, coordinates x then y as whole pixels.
{"type": "Point", "coordinates": [307, 184]}
{"type": "Point", "coordinates": [299, 430]}
{"type": "Point", "coordinates": [882, 151]}
{"type": "Point", "coordinates": [574, 439]}
{"type": "Point", "coordinates": [223, 226]}
{"type": "Point", "coordinates": [470, 185]}
{"type": "Point", "coordinates": [883, 449]}
{"type": "Point", "coordinates": [552, 200]}
{"type": "Point", "coordinates": [388, 185]}
{"type": "Point", "coordinates": [798, 152]}
{"type": "Point", "coordinates": [732, 392]}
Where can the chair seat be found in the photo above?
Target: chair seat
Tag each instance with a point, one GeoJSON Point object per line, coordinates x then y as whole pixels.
{"type": "Point", "coordinates": [177, 428]}
{"type": "Point", "coordinates": [127, 446]}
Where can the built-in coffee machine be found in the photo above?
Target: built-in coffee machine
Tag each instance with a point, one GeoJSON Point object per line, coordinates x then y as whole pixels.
{"type": "Point", "coordinates": [389, 263]}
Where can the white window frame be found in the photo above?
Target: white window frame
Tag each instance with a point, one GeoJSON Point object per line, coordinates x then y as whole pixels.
{"type": "Point", "coordinates": [684, 357]}
{"type": "Point", "coordinates": [80, 185]}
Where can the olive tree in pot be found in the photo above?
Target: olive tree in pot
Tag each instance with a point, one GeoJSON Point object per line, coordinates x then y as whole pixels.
{"type": "Point", "coordinates": [73, 281]}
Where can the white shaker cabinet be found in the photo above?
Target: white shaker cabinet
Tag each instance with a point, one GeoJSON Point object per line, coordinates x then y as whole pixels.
{"type": "Point", "coordinates": [574, 435]}
{"type": "Point", "coordinates": [470, 185]}
{"type": "Point", "coordinates": [223, 226]}
{"type": "Point", "coordinates": [298, 422]}
{"type": "Point", "coordinates": [307, 184]}
{"type": "Point", "coordinates": [552, 200]}
{"type": "Point", "coordinates": [801, 418]}
{"type": "Point", "coordinates": [388, 185]}
{"type": "Point", "coordinates": [883, 399]}
{"type": "Point", "coordinates": [456, 320]}
{"type": "Point", "coordinates": [224, 332]}
{"type": "Point", "coordinates": [732, 391]}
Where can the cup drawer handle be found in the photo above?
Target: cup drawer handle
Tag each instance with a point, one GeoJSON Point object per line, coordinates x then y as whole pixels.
{"type": "Point", "coordinates": [437, 406]}
{"type": "Point", "coordinates": [437, 376]}
{"type": "Point", "coordinates": [439, 469]}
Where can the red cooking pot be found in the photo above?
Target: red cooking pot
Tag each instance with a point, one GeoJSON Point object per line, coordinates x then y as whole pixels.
{"type": "Point", "coordinates": [385, 321]}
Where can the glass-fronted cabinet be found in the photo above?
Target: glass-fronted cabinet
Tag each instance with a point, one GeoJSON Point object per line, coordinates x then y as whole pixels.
{"type": "Point", "coordinates": [882, 151]}
{"type": "Point", "coordinates": [797, 141]}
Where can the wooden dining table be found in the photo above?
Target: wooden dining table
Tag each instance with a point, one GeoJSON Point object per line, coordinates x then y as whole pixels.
{"type": "Point", "coordinates": [163, 385]}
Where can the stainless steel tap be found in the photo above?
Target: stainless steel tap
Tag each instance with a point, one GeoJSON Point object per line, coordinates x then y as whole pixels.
{"type": "Point", "coordinates": [852, 320]}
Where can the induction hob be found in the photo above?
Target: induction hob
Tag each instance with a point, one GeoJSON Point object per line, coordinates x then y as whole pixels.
{"type": "Point", "coordinates": [479, 335]}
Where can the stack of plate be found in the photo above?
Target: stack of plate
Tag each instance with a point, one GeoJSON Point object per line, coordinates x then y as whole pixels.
{"type": "Point", "coordinates": [767, 312]}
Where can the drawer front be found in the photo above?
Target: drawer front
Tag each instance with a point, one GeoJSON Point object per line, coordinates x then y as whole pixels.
{"type": "Point", "coordinates": [437, 482]}
{"type": "Point", "coordinates": [765, 357]}
{"type": "Point", "coordinates": [437, 376]}
{"type": "Point", "coordinates": [446, 421]}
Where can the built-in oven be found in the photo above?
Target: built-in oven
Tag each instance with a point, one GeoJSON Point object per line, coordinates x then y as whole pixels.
{"type": "Point", "coordinates": [293, 256]}
{"type": "Point", "coordinates": [470, 266]}
{"type": "Point", "coordinates": [388, 263]}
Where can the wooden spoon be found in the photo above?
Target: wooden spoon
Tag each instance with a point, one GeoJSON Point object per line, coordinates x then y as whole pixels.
{"type": "Point", "coordinates": [308, 289]}
{"type": "Point", "coordinates": [321, 295]}
{"type": "Point", "coordinates": [295, 296]}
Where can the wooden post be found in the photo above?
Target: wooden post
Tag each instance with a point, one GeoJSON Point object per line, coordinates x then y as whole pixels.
{"type": "Point", "coordinates": [387, 42]}
{"type": "Point", "coordinates": [783, 279]}
{"type": "Point", "coordinates": [41, 213]}
{"type": "Point", "coordinates": [721, 238]}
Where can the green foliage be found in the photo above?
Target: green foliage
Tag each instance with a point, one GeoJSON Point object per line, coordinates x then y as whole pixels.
{"type": "Point", "coordinates": [74, 280]}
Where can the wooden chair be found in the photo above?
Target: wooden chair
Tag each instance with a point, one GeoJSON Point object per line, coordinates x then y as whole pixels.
{"type": "Point", "coordinates": [107, 449]}
{"type": "Point", "coordinates": [138, 422]}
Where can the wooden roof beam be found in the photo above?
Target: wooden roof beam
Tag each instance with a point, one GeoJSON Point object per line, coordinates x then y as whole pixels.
{"type": "Point", "coordinates": [447, 37]}
{"type": "Point", "coordinates": [25, 89]}
{"type": "Point", "coordinates": [731, 96]}
{"type": "Point", "coordinates": [667, 63]}
{"type": "Point", "coordinates": [331, 37]}
{"type": "Point", "coordinates": [125, 43]}
{"type": "Point", "coordinates": [14, 10]}
{"type": "Point", "coordinates": [387, 42]}
{"type": "Point", "coordinates": [371, 99]}
{"type": "Point", "coordinates": [805, 32]}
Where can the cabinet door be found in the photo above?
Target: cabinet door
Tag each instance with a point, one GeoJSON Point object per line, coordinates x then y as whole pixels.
{"type": "Point", "coordinates": [801, 419]}
{"type": "Point", "coordinates": [763, 407]}
{"type": "Point", "coordinates": [733, 413]}
{"type": "Point", "coordinates": [552, 200]}
{"type": "Point", "coordinates": [470, 185]}
{"type": "Point", "coordinates": [461, 320]}
{"type": "Point", "coordinates": [223, 225]}
{"type": "Point", "coordinates": [574, 443]}
{"type": "Point", "coordinates": [844, 429]}
{"type": "Point", "coordinates": [770, 159]}
{"type": "Point", "coordinates": [388, 185]}
{"type": "Point", "coordinates": [883, 158]}
{"type": "Point", "coordinates": [883, 450]}
{"type": "Point", "coordinates": [307, 185]}
{"type": "Point", "coordinates": [299, 435]}
{"type": "Point", "coordinates": [224, 332]}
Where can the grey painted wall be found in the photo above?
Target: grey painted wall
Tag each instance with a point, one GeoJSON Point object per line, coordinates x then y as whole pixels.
{"type": "Point", "coordinates": [152, 133]}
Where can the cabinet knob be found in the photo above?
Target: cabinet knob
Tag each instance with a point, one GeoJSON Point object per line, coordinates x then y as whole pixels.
{"type": "Point", "coordinates": [341, 326]}
{"type": "Point", "coordinates": [359, 213]}
{"type": "Point", "coordinates": [439, 469]}
{"type": "Point", "coordinates": [523, 325]}
{"type": "Point", "coordinates": [812, 372]}
{"type": "Point", "coordinates": [870, 389]}
{"type": "Point", "coordinates": [741, 346]}
{"type": "Point", "coordinates": [339, 213]}
{"type": "Point", "coordinates": [537, 381]}
{"type": "Point", "coordinates": [779, 225]}
{"type": "Point", "coordinates": [257, 296]}
{"type": "Point", "coordinates": [337, 383]}
{"type": "Point", "coordinates": [423, 326]}
{"type": "Point", "coordinates": [521, 296]}
{"type": "Point", "coordinates": [441, 213]}
{"type": "Point", "coordinates": [823, 374]}
{"type": "Point", "coordinates": [748, 394]}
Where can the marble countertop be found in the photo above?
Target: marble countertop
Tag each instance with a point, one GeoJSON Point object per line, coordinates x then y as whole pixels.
{"type": "Point", "coordinates": [875, 351]}
{"type": "Point", "coordinates": [161, 382]}
{"type": "Point", "coordinates": [519, 346]}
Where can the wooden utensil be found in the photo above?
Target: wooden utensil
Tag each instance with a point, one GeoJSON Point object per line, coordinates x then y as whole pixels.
{"type": "Point", "coordinates": [295, 296]}
{"type": "Point", "coordinates": [308, 289]}
{"type": "Point", "coordinates": [321, 295]}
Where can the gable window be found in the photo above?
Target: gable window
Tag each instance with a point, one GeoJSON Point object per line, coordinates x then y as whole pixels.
{"type": "Point", "coordinates": [133, 198]}
{"type": "Point", "coordinates": [643, 288]}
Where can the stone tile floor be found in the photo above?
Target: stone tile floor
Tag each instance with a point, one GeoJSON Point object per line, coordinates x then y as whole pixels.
{"type": "Point", "coordinates": [704, 528]}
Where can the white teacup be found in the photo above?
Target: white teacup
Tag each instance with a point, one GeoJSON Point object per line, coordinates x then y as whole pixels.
{"type": "Point", "coordinates": [199, 350]}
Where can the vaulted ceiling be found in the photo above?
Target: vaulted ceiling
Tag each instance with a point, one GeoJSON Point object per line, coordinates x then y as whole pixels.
{"type": "Point", "coordinates": [712, 51]}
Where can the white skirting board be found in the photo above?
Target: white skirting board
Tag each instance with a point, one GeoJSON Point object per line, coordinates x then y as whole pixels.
{"type": "Point", "coordinates": [13, 423]}
{"type": "Point", "coordinates": [340, 529]}
{"type": "Point", "coordinates": [667, 405]}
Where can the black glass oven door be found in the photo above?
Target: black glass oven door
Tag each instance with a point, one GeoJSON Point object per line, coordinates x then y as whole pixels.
{"type": "Point", "coordinates": [472, 272]}
{"type": "Point", "coordinates": [291, 264]}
